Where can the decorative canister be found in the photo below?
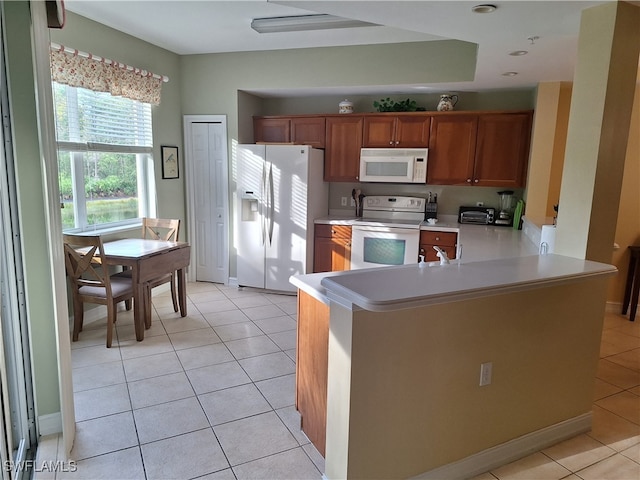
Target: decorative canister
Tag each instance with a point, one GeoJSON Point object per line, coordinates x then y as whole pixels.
{"type": "Point", "coordinates": [345, 106]}
{"type": "Point", "coordinates": [447, 102]}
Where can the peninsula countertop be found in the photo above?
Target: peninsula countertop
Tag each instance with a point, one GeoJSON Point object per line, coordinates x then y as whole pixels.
{"type": "Point", "coordinates": [407, 286]}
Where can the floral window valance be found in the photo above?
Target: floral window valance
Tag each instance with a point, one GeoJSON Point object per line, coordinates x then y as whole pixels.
{"type": "Point", "coordinates": [118, 79]}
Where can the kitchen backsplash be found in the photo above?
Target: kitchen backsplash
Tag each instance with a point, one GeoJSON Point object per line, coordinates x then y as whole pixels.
{"type": "Point", "coordinates": [449, 197]}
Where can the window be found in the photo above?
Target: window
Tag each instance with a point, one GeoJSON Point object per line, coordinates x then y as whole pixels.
{"type": "Point", "coordinates": [104, 159]}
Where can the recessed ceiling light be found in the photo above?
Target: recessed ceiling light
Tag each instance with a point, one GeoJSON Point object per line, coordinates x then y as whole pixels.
{"type": "Point", "coordinates": [518, 53]}
{"type": "Point", "coordinates": [509, 74]}
{"type": "Point", "coordinates": [484, 8]}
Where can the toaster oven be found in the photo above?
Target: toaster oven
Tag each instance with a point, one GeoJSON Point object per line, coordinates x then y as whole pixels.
{"type": "Point", "coordinates": [476, 215]}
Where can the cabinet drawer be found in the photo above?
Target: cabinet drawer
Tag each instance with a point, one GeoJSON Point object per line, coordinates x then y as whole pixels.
{"type": "Point", "coordinates": [438, 238]}
{"type": "Point", "coordinates": [430, 255]}
{"type": "Point", "coordinates": [333, 231]}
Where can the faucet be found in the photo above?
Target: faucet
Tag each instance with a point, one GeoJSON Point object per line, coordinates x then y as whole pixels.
{"type": "Point", "coordinates": [444, 260]}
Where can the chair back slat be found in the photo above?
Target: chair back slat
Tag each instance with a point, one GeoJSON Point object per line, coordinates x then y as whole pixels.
{"type": "Point", "coordinates": [85, 263]}
{"type": "Point", "coordinates": [160, 229]}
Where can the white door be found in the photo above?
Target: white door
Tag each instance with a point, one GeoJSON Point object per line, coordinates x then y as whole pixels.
{"type": "Point", "coordinates": [207, 184]}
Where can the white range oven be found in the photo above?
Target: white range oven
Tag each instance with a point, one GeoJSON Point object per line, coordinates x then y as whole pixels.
{"type": "Point", "coordinates": [388, 232]}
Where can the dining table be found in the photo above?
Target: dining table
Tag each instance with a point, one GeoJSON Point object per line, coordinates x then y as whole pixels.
{"type": "Point", "coordinates": [149, 259]}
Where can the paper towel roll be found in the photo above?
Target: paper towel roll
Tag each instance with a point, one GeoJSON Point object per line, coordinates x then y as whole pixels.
{"type": "Point", "coordinates": [547, 239]}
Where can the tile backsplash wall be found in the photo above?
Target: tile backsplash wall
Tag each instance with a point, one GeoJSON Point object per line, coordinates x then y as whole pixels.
{"type": "Point", "coordinates": [449, 198]}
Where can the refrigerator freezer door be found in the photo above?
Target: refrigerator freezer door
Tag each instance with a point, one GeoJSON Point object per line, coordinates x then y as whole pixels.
{"type": "Point", "coordinates": [286, 251]}
{"type": "Point", "coordinates": [251, 225]}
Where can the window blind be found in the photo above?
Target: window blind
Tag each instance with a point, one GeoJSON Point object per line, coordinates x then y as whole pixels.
{"type": "Point", "coordinates": [99, 121]}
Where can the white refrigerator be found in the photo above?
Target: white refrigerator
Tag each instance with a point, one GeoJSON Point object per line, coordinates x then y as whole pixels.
{"type": "Point", "coordinates": [280, 193]}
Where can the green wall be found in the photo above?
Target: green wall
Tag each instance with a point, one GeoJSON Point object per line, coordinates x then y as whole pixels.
{"type": "Point", "coordinates": [30, 187]}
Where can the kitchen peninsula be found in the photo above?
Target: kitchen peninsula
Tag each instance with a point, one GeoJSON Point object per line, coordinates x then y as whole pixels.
{"type": "Point", "coordinates": [405, 347]}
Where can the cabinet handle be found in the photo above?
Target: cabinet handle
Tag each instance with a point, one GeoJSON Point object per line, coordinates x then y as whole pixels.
{"type": "Point", "coordinates": [437, 239]}
{"type": "Point", "coordinates": [468, 180]}
{"type": "Point", "coordinates": [397, 142]}
{"type": "Point", "coordinates": [422, 250]}
{"type": "Point", "coordinates": [476, 180]}
{"type": "Point", "coordinates": [391, 142]}
{"type": "Point", "coordinates": [348, 244]}
{"type": "Point", "coordinates": [333, 232]}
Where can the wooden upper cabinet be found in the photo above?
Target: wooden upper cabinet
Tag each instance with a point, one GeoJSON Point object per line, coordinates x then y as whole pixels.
{"type": "Point", "coordinates": [487, 149]}
{"type": "Point", "coordinates": [396, 131]}
{"type": "Point", "coordinates": [502, 149]}
{"type": "Point", "coordinates": [271, 130]}
{"type": "Point", "coordinates": [452, 146]}
{"type": "Point", "coordinates": [298, 130]}
{"type": "Point", "coordinates": [308, 131]}
{"type": "Point", "coordinates": [342, 148]}
{"type": "Point", "coordinates": [465, 148]}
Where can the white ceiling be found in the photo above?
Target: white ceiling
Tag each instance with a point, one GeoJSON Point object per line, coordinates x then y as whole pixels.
{"type": "Point", "coordinates": [214, 26]}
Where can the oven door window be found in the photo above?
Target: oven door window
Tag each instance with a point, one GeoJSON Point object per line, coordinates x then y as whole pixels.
{"type": "Point", "coordinates": [384, 251]}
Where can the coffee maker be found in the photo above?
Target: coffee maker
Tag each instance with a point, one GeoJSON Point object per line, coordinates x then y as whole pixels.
{"type": "Point", "coordinates": [505, 213]}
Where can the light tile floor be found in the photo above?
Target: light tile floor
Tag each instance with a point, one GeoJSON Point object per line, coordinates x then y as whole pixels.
{"type": "Point", "coordinates": [211, 396]}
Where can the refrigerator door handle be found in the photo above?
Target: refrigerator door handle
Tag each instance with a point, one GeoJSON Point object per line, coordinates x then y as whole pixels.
{"type": "Point", "coordinates": [271, 204]}
{"type": "Point", "coordinates": [263, 229]}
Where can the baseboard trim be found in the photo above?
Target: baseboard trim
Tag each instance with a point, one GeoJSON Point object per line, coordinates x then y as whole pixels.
{"type": "Point", "coordinates": [512, 450]}
{"type": "Point", "coordinates": [50, 424]}
{"type": "Point", "coordinates": [615, 307]}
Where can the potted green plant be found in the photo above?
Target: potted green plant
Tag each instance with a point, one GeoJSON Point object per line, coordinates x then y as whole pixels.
{"type": "Point", "coordinates": [388, 105]}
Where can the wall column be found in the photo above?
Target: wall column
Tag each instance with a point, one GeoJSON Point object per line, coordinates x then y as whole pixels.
{"type": "Point", "coordinates": [601, 104]}
{"type": "Point", "coordinates": [548, 144]}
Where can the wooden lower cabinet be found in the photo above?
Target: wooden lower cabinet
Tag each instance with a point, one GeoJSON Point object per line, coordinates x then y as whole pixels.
{"type": "Point", "coordinates": [447, 241]}
{"type": "Point", "coordinates": [312, 355]}
{"type": "Point", "coordinates": [332, 248]}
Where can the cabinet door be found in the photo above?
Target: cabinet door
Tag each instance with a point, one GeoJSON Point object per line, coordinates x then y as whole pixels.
{"type": "Point", "coordinates": [331, 254]}
{"type": "Point", "coordinates": [276, 130]}
{"type": "Point", "coordinates": [401, 131]}
{"type": "Point", "coordinates": [452, 144]}
{"type": "Point", "coordinates": [308, 131]}
{"type": "Point", "coordinates": [332, 249]}
{"type": "Point", "coordinates": [379, 131]}
{"type": "Point", "coordinates": [312, 356]}
{"type": "Point", "coordinates": [412, 131]}
{"type": "Point", "coordinates": [342, 148]}
{"type": "Point", "coordinates": [502, 150]}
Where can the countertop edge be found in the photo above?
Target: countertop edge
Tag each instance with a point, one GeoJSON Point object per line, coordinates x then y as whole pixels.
{"type": "Point", "coordinates": [347, 297]}
{"type": "Point", "coordinates": [363, 288]}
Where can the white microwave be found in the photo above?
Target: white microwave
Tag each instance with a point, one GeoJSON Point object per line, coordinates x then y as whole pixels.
{"type": "Point", "coordinates": [393, 165]}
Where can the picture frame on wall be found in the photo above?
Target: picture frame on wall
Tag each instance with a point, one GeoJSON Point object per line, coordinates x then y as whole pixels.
{"type": "Point", "coordinates": [169, 162]}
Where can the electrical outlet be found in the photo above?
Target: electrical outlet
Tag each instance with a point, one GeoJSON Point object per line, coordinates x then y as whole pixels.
{"type": "Point", "coordinates": [344, 201]}
{"type": "Point", "coordinates": [479, 204]}
{"type": "Point", "coordinates": [353, 202]}
{"type": "Point", "coordinates": [485, 373]}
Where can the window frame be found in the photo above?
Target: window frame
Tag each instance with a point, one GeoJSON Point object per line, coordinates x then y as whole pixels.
{"type": "Point", "coordinates": [146, 187]}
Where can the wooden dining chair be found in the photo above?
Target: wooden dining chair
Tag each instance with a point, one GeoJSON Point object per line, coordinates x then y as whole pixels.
{"type": "Point", "coordinates": [159, 229]}
{"type": "Point", "coordinates": [91, 282]}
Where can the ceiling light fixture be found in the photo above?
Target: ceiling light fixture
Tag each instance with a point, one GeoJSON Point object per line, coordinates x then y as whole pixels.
{"type": "Point", "coordinates": [518, 53]}
{"type": "Point", "coordinates": [300, 23]}
{"type": "Point", "coordinates": [483, 8]}
{"type": "Point", "coordinates": [509, 74]}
